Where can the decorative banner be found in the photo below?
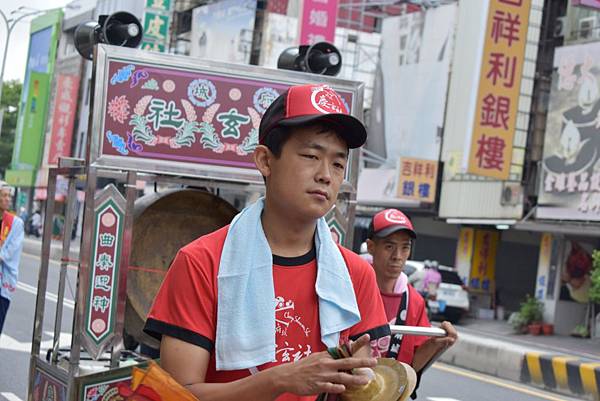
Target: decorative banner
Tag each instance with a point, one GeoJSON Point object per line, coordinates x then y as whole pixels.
{"type": "Point", "coordinates": [499, 88]}
{"type": "Point", "coordinates": [105, 390]}
{"type": "Point", "coordinates": [483, 269]}
{"type": "Point", "coordinates": [223, 31]}
{"type": "Point", "coordinates": [185, 116]}
{"type": "Point", "coordinates": [417, 179]}
{"type": "Point", "coordinates": [65, 106]}
{"type": "Point", "coordinates": [101, 305]}
{"type": "Point", "coordinates": [464, 253]}
{"type": "Point", "coordinates": [570, 184]}
{"type": "Point", "coordinates": [586, 3]}
{"type": "Point", "coordinates": [337, 223]}
{"type": "Point", "coordinates": [47, 388]}
{"type": "Point", "coordinates": [318, 21]}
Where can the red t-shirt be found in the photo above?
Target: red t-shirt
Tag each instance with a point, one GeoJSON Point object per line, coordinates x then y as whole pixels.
{"type": "Point", "coordinates": [415, 316]}
{"type": "Point", "coordinates": [186, 304]}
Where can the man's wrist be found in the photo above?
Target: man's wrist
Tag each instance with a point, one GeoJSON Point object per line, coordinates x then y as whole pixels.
{"type": "Point", "coordinates": [278, 379]}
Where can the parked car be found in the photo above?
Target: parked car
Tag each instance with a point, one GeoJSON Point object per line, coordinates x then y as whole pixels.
{"type": "Point", "coordinates": [452, 301]}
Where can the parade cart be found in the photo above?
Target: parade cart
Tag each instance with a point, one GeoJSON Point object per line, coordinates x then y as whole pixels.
{"type": "Point", "coordinates": [157, 121]}
{"type": "Point", "coordinates": [182, 125]}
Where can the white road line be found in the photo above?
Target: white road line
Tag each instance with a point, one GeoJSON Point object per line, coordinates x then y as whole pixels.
{"type": "Point", "coordinates": [441, 399]}
{"type": "Point", "coordinates": [10, 396]}
{"type": "Point", "coordinates": [10, 344]}
{"type": "Point", "coordinates": [49, 296]}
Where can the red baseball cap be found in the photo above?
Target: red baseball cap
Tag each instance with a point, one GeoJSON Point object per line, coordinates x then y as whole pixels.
{"type": "Point", "coordinates": [308, 104]}
{"type": "Point", "coordinates": [388, 222]}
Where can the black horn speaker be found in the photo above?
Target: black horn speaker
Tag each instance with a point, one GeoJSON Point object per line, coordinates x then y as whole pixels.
{"type": "Point", "coordinates": [321, 58]}
{"type": "Point", "coordinates": [118, 29]}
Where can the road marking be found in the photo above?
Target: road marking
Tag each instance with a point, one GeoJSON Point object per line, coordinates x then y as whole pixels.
{"type": "Point", "coordinates": [499, 383]}
{"type": "Point", "coordinates": [49, 296]}
{"type": "Point", "coordinates": [441, 399]}
{"type": "Point", "coordinates": [71, 265]}
{"type": "Point", "coordinates": [10, 396]}
{"type": "Point", "coordinates": [31, 255]}
{"type": "Point", "coordinates": [11, 344]}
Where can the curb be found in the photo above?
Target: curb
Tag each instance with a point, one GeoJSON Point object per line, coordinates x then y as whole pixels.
{"type": "Point", "coordinates": [564, 374]}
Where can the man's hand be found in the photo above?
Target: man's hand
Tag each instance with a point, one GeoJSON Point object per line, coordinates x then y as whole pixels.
{"type": "Point", "coordinates": [450, 338]}
{"type": "Point", "coordinates": [320, 373]}
{"type": "Point", "coordinates": [431, 347]}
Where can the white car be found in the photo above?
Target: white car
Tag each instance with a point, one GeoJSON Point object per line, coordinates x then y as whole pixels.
{"type": "Point", "coordinates": [452, 300]}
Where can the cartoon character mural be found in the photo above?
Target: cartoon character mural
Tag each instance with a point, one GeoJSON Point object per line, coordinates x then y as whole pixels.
{"type": "Point", "coordinates": [571, 165]}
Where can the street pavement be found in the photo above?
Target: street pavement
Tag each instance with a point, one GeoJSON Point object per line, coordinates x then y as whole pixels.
{"type": "Point", "coordinates": [15, 342]}
{"type": "Point", "coordinates": [441, 383]}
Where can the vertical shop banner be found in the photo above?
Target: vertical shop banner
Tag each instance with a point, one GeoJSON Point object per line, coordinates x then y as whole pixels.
{"type": "Point", "coordinates": [156, 25]}
{"type": "Point", "coordinates": [570, 174]}
{"type": "Point", "coordinates": [499, 88]}
{"type": "Point", "coordinates": [543, 270]}
{"type": "Point", "coordinates": [65, 107]}
{"type": "Point", "coordinates": [319, 18]}
{"type": "Point", "coordinates": [464, 253]}
{"type": "Point", "coordinates": [483, 269]}
{"type": "Point", "coordinates": [223, 31]}
{"type": "Point", "coordinates": [417, 179]}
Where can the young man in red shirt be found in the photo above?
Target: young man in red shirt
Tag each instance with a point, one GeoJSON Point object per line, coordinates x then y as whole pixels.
{"type": "Point", "coordinates": [390, 238]}
{"type": "Point", "coordinates": [274, 276]}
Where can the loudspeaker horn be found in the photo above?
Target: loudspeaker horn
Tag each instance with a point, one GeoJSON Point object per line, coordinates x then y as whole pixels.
{"type": "Point", "coordinates": [118, 29]}
{"type": "Point", "coordinates": [86, 36]}
{"type": "Point", "coordinates": [323, 58]}
{"type": "Point", "coordinates": [122, 29]}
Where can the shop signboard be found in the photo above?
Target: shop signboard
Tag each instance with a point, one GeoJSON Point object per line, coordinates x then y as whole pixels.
{"type": "Point", "coordinates": [415, 55]}
{"type": "Point", "coordinates": [417, 179]}
{"type": "Point", "coordinates": [318, 22]}
{"type": "Point", "coordinates": [156, 25]}
{"type": "Point", "coordinates": [31, 123]}
{"type": "Point", "coordinates": [497, 101]}
{"type": "Point", "coordinates": [570, 173]}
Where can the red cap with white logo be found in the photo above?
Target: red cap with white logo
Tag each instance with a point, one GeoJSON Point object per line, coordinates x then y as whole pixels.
{"type": "Point", "coordinates": [309, 104]}
{"type": "Point", "coordinates": [388, 222]}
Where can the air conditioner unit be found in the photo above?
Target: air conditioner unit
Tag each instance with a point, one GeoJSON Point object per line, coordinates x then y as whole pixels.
{"type": "Point", "coordinates": [588, 28]}
{"type": "Point", "coordinates": [512, 194]}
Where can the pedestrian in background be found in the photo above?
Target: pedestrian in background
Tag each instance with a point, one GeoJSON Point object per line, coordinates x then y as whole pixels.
{"type": "Point", "coordinates": [36, 224]}
{"type": "Point", "coordinates": [11, 243]}
{"type": "Point", "coordinates": [390, 241]}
